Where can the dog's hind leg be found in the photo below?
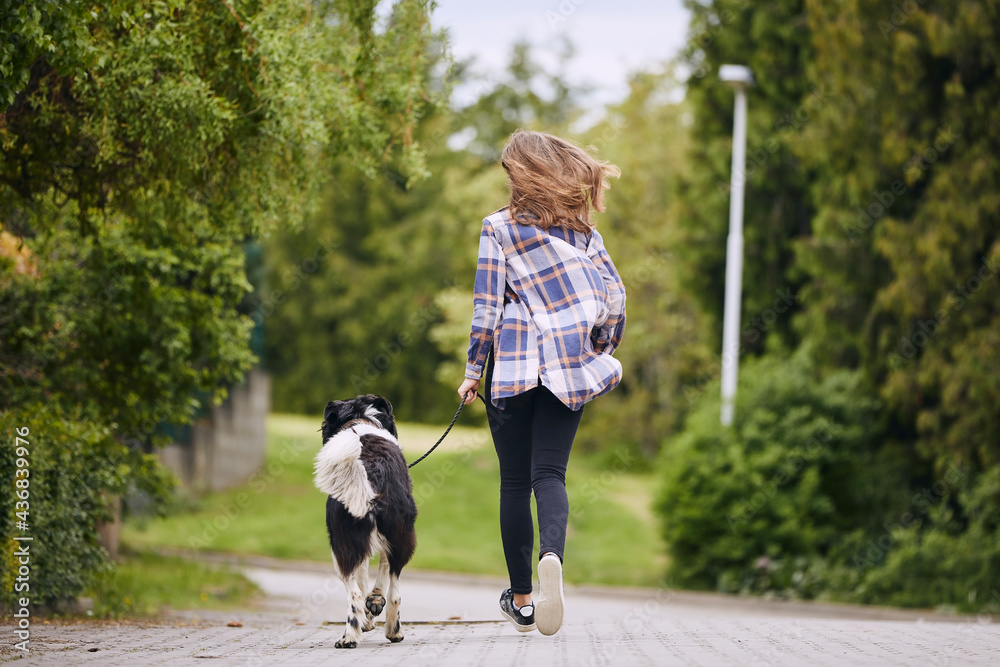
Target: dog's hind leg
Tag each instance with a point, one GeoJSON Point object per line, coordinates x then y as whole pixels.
{"type": "Point", "coordinates": [356, 606]}
{"type": "Point", "coordinates": [376, 599]}
{"type": "Point", "coordinates": [393, 631]}
{"type": "Point", "coordinates": [369, 620]}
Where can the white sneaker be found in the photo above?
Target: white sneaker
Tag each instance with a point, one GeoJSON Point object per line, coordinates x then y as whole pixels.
{"type": "Point", "coordinates": [549, 608]}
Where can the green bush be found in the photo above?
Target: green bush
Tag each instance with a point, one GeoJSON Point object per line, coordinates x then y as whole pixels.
{"type": "Point", "coordinates": [74, 468]}
{"type": "Point", "coordinates": [951, 558]}
{"type": "Point", "coordinates": [764, 504]}
{"type": "Point", "coordinates": [804, 497]}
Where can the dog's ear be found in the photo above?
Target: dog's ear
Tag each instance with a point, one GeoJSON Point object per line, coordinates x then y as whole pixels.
{"type": "Point", "coordinates": [384, 408]}
{"type": "Point", "coordinates": [331, 408]}
{"type": "Point", "coordinates": [383, 405]}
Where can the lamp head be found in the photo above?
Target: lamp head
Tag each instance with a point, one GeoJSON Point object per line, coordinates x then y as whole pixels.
{"type": "Point", "coordinates": [737, 76]}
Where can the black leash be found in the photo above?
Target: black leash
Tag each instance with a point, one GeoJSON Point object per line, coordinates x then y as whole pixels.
{"type": "Point", "coordinates": [447, 430]}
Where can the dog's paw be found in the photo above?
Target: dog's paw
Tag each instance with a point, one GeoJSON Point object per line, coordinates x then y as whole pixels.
{"type": "Point", "coordinates": [368, 625]}
{"type": "Point", "coordinates": [375, 603]}
{"type": "Point", "coordinates": [394, 632]}
{"type": "Point", "coordinates": [344, 643]}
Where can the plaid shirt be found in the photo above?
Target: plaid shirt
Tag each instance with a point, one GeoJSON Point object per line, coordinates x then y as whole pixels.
{"type": "Point", "coordinates": [551, 305]}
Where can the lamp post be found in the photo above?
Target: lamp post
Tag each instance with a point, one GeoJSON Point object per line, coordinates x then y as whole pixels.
{"type": "Point", "coordinates": [740, 78]}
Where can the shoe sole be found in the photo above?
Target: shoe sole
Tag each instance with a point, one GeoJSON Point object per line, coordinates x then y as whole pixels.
{"type": "Point", "coordinates": [549, 609]}
{"type": "Point", "coordinates": [518, 626]}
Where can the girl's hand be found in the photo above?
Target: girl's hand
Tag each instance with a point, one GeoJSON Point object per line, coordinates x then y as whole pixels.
{"type": "Point", "coordinates": [468, 390]}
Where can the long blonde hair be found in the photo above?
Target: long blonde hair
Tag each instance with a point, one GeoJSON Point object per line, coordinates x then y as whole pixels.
{"type": "Point", "coordinates": [554, 181]}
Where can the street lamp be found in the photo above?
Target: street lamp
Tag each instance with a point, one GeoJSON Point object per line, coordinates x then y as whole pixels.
{"type": "Point", "coordinates": [740, 78]}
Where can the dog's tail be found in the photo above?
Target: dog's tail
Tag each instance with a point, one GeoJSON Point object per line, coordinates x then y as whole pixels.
{"type": "Point", "coordinates": [340, 473]}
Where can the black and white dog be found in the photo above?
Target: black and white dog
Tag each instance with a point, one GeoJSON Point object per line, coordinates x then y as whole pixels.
{"type": "Point", "coordinates": [370, 509]}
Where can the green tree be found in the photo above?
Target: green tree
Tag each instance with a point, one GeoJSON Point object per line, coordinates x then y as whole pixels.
{"type": "Point", "coordinates": [906, 243]}
{"type": "Point", "coordinates": [895, 247]}
{"type": "Point", "coordinates": [374, 314]}
{"type": "Point", "coordinates": [526, 95]}
{"type": "Point", "coordinates": [142, 144]}
{"type": "Point", "coordinates": [769, 37]}
{"type": "Point", "coordinates": [664, 355]}
{"type": "Point", "coordinates": [905, 255]}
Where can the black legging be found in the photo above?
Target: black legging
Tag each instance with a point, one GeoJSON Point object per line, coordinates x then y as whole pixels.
{"type": "Point", "coordinates": [533, 436]}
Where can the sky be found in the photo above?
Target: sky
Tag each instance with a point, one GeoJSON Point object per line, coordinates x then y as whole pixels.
{"type": "Point", "coordinates": [612, 37]}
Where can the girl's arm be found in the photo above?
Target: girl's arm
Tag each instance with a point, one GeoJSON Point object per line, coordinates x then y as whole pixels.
{"type": "Point", "coordinates": [608, 336]}
{"type": "Point", "coordinates": [491, 277]}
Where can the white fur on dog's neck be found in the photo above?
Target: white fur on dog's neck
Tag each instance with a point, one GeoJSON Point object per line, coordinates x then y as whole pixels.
{"type": "Point", "coordinates": [340, 473]}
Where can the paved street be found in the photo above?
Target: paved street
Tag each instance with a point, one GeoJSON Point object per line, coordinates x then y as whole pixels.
{"type": "Point", "coordinates": [452, 620]}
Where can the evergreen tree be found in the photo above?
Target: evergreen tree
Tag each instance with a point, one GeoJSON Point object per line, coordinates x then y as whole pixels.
{"type": "Point", "coordinates": [894, 241]}
{"type": "Point", "coordinates": [770, 38]}
{"type": "Point", "coordinates": [903, 262]}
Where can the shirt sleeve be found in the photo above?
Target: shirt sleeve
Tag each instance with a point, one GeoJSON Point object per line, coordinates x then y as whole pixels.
{"type": "Point", "coordinates": [491, 278]}
{"type": "Point", "coordinates": [608, 335]}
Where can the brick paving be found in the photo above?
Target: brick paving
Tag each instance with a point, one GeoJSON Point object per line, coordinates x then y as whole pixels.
{"type": "Point", "coordinates": [452, 620]}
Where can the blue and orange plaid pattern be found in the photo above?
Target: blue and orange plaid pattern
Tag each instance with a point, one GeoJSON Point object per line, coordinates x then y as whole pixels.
{"type": "Point", "coordinates": [551, 305]}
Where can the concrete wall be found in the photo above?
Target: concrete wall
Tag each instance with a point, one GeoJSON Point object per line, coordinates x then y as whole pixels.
{"type": "Point", "coordinates": [227, 447]}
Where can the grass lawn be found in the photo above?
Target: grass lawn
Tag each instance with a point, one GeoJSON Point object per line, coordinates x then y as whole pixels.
{"type": "Point", "coordinates": [612, 538]}
{"type": "Point", "coordinates": [144, 584]}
